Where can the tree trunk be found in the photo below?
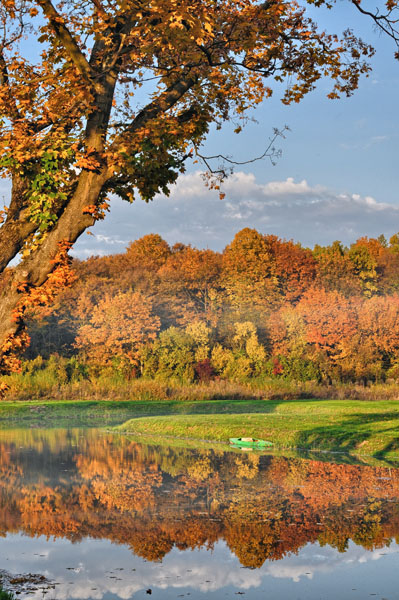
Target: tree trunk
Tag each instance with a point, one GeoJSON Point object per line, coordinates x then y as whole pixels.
{"type": "Point", "coordinates": [34, 270]}
{"type": "Point", "coordinates": [17, 227]}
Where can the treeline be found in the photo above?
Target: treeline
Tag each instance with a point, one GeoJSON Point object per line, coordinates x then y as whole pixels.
{"type": "Point", "coordinates": [263, 308]}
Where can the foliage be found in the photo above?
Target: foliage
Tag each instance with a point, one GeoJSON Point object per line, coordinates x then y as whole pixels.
{"type": "Point", "coordinates": [170, 357]}
{"type": "Point", "coordinates": [145, 314]}
{"type": "Point", "coordinates": [116, 98]}
{"type": "Point", "coordinates": [118, 327]}
{"type": "Point", "coordinates": [249, 270]}
{"type": "Point", "coordinates": [204, 370]}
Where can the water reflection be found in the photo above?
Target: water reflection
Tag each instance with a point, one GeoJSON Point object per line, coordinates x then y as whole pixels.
{"type": "Point", "coordinates": [83, 485]}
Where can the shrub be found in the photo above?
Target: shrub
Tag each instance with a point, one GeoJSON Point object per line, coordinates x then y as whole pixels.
{"type": "Point", "coordinates": [204, 370]}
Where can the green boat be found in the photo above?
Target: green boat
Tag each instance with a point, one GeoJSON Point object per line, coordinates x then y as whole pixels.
{"type": "Point", "coordinates": [248, 442]}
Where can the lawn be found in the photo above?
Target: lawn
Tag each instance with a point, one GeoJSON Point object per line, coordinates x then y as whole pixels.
{"type": "Point", "coordinates": [97, 413]}
{"type": "Point", "coordinates": [358, 427]}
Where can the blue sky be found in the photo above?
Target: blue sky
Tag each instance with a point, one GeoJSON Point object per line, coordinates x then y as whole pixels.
{"type": "Point", "coordinates": [337, 177]}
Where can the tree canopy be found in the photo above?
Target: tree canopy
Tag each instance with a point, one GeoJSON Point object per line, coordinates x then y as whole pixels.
{"type": "Point", "coordinates": [108, 97]}
{"type": "Point", "coordinates": [263, 309]}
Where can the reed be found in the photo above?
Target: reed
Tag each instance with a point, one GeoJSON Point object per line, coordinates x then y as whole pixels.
{"type": "Point", "coordinates": [47, 384]}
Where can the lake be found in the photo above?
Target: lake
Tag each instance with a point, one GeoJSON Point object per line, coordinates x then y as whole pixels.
{"type": "Point", "coordinates": [104, 516]}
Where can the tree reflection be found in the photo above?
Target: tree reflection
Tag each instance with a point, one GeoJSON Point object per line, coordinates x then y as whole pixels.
{"type": "Point", "coordinates": [66, 484]}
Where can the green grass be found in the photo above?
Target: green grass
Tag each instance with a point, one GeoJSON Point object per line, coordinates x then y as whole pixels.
{"type": "Point", "coordinates": [357, 427]}
{"type": "Point", "coordinates": [44, 413]}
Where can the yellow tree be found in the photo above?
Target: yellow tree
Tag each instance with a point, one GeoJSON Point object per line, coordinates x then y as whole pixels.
{"type": "Point", "coordinates": [249, 271]}
{"type": "Point", "coordinates": [107, 97]}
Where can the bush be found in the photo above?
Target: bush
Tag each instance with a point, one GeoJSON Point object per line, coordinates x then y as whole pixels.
{"type": "Point", "coordinates": [299, 369]}
{"type": "Point", "coordinates": [204, 370]}
{"type": "Point", "coordinates": [76, 370]}
{"type": "Point", "coordinates": [171, 356]}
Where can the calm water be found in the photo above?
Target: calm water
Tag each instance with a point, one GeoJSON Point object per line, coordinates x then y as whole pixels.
{"type": "Point", "coordinates": [102, 516]}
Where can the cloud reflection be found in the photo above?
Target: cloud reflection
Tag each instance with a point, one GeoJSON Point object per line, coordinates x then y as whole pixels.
{"type": "Point", "coordinates": [96, 568]}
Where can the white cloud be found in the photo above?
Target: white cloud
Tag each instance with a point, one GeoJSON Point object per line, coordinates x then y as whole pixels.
{"type": "Point", "coordinates": [365, 144]}
{"type": "Point", "coordinates": [290, 209]}
{"type": "Point", "coordinates": [109, 239]}
{"type": "Point", "coordinates": [239, 184]}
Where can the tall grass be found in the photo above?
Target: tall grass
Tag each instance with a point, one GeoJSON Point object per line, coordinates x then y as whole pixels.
{"type": "Point", "coordinates": [53, 384]}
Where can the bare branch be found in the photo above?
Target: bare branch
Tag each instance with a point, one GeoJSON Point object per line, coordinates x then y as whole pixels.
{"type": "Point", "coordinates": [385, 22]}
{"type": "Point", "coordinates": [221, 171]}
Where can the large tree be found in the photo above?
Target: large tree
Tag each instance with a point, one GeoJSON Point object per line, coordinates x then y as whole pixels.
{"type": "Point", "coordinates": [102, 97]}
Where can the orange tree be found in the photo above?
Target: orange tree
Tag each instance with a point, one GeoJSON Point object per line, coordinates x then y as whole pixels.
{"type": "Point", "coordinates": [120, 324]}
{"type": "Point", "coordinates": [113, 96]}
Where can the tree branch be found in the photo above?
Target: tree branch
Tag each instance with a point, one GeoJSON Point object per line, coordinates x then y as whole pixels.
{"type": "Point", "coordinates": [64, 35]}
{"type": "Point", "coordinates": [382, 21]}
{"type": "Point", "coordinates": [4, 80]}
{"type": "Point", "coordinates": [223, 172]}
{"type": "Point", "coordinates": [165, 100]}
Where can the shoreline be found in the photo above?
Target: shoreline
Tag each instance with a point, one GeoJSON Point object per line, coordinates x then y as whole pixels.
{"type": "Point", "coordinates": [357, 427]}
{"type": "Point", "coordinates": [361, 427]}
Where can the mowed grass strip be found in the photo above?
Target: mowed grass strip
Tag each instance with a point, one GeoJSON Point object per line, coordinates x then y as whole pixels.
{"type": "Point", "coordinates": [70, 413]}
{"type": "Point", "coordinates": [369, 428]}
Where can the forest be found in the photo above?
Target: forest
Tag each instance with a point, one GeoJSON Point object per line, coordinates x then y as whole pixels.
{"type": "Point", "coordinates": [263, 309]}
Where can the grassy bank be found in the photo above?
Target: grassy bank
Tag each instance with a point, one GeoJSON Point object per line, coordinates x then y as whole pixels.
{"type": "Point", "coordinates": [72, 413]}
{"type": "Point", "coordinates": [358, 427]}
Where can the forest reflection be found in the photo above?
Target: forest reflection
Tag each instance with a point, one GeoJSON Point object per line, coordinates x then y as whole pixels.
{"type": "Point", "coordinates": [82, 483]}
